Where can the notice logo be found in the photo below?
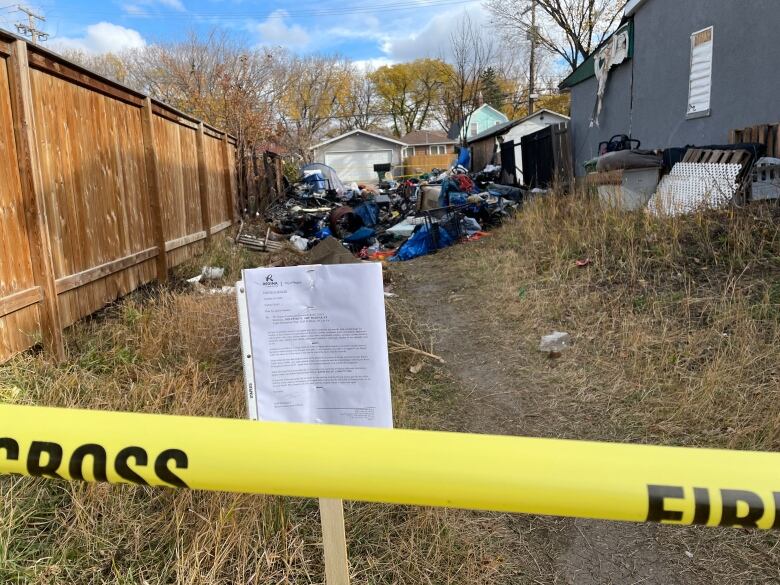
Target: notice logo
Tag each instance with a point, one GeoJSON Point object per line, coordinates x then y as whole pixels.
{"type": "Point", "coordinates": [269, 281]}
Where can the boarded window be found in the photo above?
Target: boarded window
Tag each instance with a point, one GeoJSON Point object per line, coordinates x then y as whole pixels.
{"type": "Point", "coordinates": [700, 82]}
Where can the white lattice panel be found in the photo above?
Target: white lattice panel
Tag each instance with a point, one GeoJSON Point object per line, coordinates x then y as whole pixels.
{"type": "Point", "coordinates": [694, 186]}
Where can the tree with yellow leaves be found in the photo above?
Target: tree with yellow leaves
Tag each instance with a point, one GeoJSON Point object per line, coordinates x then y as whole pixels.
{"type": "Point", "coordinates": [410, 93]}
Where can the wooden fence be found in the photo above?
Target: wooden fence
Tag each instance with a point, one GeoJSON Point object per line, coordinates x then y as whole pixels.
{"type": "Point", "coordinates": [262, 182]}
{"type": "Point", "coordinates": [766, 134]}
{"type": "Point", "coordinates": [547, 157]}
{"type": "Point", "coordinates": [425, 163]}
{"type": "Point", "coordinates": [101, 191]}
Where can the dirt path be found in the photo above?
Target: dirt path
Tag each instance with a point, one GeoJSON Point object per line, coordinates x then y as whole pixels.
{"type": "Point", "coordinates": [501, 392]}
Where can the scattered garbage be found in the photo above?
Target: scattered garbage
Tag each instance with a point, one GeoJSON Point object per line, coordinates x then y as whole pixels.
{"type": "Point", "coordinates": [554, 343]}
{"type": "Point", "coordinates": [212, 273]}
{"type": "Point", "coordinates": [390, 220]}
{"type": "Point", "coordinates": [300, 243]}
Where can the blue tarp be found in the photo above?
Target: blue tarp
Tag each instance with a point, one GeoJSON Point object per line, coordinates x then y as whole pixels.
{"type": "Point", "coordinates": [421, 243]}
{"type": "Point", "coordinates": [331, 177]}
{"type": "Point", "coordinates": [368, 212]}
{"type": "Point", "coordinates": [361, 235]}
{"type": "Point", "coordinates": [316, 180]}
{"type": "Point", "coordinates": [464, 157]}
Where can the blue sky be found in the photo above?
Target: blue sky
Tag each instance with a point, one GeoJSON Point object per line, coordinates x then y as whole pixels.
{"type": "Point", "coordinates": [370, 31]}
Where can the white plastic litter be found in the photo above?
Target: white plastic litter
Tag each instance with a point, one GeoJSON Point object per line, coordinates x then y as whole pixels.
{"type": "Point", "coordinates": [555, 342]}
{"type": "Point", "coordinates": [212, 273]}
{"type": "Point", "coordinates": [300, 243]}
{"type": "Point", "coordinates": [694, 186]}
{"type": "Point", "coordinates": [404, 229]}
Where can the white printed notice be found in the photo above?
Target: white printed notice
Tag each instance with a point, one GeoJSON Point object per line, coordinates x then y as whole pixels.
{"type": "Point", "coordinates": [315, 344]}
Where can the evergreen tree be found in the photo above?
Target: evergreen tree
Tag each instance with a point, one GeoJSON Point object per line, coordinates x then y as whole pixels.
{"type": "Point", "coordinates": [491, 88]}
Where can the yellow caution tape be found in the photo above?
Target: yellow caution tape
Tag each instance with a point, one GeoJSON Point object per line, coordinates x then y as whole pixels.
{"type": "Point", "coordinates": [513, 474]}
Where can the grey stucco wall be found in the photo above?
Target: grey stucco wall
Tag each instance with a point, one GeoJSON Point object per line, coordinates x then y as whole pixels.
{"type": "Point", "coordinates": [359, 142]}
{"type": "Point", "coordinates": [745, 81]}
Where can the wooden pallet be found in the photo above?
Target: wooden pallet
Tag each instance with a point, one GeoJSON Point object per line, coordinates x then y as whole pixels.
{"type": "Point", "coordinates": [766, 134]}
{"type": "Point", "coordinates": [703, 155]}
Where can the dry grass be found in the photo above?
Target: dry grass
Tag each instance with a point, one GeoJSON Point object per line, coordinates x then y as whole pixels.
{"type": "Point", "coordinates": [178, 352]}
{"type": "Point", "coordinates": [676, 327]}
{"type": "Point", "coordinates": [676, 321]}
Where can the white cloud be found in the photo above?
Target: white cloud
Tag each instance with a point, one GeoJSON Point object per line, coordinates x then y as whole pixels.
{"type": "Point", "coordinates": [372, 64]}
{"type": "Point", "coordinates": [175, 4]}
{"type": "Point", "coordinates": [275, 31]}
{"type": "Point", "coordinates": [148, 8]}
{"type": "Point", "coordinates": [433, 38]}
{"type": "Point", "coordinates": [103, 37]}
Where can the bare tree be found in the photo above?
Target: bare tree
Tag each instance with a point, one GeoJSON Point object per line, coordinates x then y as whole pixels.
{"type": "Point", "coordinates": [215, 79]}
{"type": "Point", "coordinates": [569, 29]}
{"type": "Point", "coordinates": [472, 53]}
{"type": "Point", "coordinates": [108, 65]}
{"type": "Point", "coordinates": [309, 97]}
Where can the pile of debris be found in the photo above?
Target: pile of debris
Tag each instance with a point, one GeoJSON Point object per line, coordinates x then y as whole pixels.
{"type": "Point", "coordinates": [680, 180]}
{"type": "Point", "coordinates": [396, 220]}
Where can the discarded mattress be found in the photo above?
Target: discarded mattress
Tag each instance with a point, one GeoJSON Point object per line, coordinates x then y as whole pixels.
{"type": "Point", "coordinates": [628, 159]}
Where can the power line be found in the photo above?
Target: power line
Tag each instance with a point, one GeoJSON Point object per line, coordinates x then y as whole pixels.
{"type": "Point", "coordinates": [284, 13]}
{"type": "Point", "coordinates": [30, 29]}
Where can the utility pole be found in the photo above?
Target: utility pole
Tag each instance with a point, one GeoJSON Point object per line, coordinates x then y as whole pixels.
{"type": "Point", "coordinates": [532, 61]}
{"type": "Point", "coordinates": [29, 29]}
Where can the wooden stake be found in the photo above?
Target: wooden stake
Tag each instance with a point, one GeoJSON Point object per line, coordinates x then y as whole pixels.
{"type": "Point", "coordinates": [279, 174]}
{"type": "Point", "coordinates": [334, 541]}
{"type": "Point", "coordinates": [203, 180]}
{"type": "Point", "coordinates": [33, 194]}
{"type": "Point", "coordinates": [153, 182]}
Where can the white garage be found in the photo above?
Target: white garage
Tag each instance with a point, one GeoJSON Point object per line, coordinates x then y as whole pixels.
{"type": "Point", "coordinates": [357, 165]}
{"type": "Point", "coordinates": [354, 154]}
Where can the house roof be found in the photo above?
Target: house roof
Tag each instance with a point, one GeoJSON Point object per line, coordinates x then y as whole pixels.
{"type": "Point", "coordinates": [632, 6]}
{"type": "Point", "coordinates": [351, 132]}
{"type": "Point", "coordinates": [483, 106]}
{"type": "Point", "coordinates": [586, 69]}
{"type": "Point", "coordinates": [496, 130]}
{"type": "Point", "coordinates": [425, 137]}
{"type": "Point", "coordinates": [499, 129]}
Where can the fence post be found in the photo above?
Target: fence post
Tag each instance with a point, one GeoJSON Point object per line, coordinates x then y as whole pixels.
{"type": "Point", "coordinates": [153, 182]}
{"type": "Point", "coordinates": [33, 196]}
{"type": "Point", "coordinates": [203, 180]}
{"type": "Point", "coordinates": [279, 177]}
{"type": "Point", "coordinates": [230, 201]}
